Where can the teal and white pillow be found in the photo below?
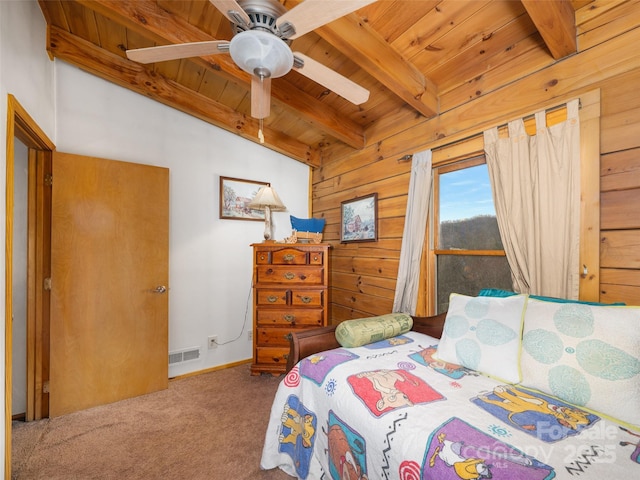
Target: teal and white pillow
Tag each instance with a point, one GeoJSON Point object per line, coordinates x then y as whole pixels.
{"type": "Point", "coordinates": [586, 355]}
{"type": "Point", "coordinates": [483, 334]}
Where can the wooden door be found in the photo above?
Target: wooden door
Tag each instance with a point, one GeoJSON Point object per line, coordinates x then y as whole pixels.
{"type": "Point", "coordinates": [109, 269]}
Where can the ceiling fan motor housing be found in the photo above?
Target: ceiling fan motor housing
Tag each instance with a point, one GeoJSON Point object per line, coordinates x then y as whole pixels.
{"type": "Point", "coordinates": [263, 15]}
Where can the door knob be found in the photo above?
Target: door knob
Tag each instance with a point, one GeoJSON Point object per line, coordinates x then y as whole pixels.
{"type": "Point", "coordinates": [160, 289]}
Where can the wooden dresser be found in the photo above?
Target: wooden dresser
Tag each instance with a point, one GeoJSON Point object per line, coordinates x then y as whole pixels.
{"type": "Point", "coordinates": [290, 289]}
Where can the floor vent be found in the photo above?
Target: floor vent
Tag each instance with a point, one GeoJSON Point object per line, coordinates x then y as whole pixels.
{"type": "Point", "coordinates": [184, 355]}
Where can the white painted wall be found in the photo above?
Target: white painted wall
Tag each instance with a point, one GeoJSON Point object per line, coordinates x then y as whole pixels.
{"type": "Point", "coordinates": [210, 267]}
{"type": "Point", "coordinates": [210, 258]}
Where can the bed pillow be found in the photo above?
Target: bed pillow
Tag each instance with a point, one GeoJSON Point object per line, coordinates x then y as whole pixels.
{"type": "Point", "coordinates": [496, 292]}
{"type": "Point", "coordinates": [587, 355]}
{"type": "Point", "coordinates": [483, 334]}
{"type": "Point", "coordinates": [362, 331]}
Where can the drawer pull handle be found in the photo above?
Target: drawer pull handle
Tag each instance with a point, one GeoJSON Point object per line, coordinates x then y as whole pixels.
{"type": "Point", "coordinates": [288, 257]}
{"type": "Point", "coordinates": [289, 317]}
{"type": "Point", "coordinates": [272, 299]}
{"type": "Point", "coordinates": [285, 356]}
{"type": "Point", "coordinates": [306, 299]}
{"type": "Point", "coordinates": [289, 276]}
{"type": "Point", "coordinates": [288, 337]}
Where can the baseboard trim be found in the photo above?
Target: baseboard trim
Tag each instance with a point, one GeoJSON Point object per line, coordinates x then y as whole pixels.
{"type": "Point", "coordinates": [211, 369]}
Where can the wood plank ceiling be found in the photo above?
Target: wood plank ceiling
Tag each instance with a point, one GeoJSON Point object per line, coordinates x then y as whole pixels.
{"type": "Point", "coordinates": [418, 58]}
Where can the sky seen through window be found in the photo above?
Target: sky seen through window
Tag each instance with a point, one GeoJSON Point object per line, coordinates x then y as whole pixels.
{"type": "Point", "coordinates": [466, 193]}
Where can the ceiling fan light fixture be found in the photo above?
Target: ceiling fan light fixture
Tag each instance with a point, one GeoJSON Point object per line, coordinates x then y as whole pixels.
{"type": "Point", "coordinates": [261, 53]}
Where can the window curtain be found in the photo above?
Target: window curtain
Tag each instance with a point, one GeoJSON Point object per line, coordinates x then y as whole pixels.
{"type": "Point", "coordinates": [413, 236]}
{"type": "Point", "coordinates": [536, 191]}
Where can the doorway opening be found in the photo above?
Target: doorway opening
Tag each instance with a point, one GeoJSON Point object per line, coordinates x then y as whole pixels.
{"type": "Point", "coordinates": [23, 132]}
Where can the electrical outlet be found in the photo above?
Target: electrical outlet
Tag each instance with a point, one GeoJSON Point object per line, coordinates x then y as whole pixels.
{"type": "Point", "coordinates": [250, 335]}
{"type": "Point", "coordinates": [212, 342]}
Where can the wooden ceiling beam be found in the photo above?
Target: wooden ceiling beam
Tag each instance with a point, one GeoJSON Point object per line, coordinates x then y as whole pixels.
{"type": "Point", "coordinates": [135, 77]}
{"type": "Point", "coordinates": [354, 38]}
{"type": "Point", "coordinates": [145, 17]}
{"type": "Point", "coordinates": [556, 22]}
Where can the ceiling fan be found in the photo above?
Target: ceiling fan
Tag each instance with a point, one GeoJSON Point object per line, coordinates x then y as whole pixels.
{"type": "Point", "coordinates": [263, 31]}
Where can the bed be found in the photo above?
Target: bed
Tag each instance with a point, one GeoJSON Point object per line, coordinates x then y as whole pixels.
{"type": "Point", "coordinates": [393, 409]}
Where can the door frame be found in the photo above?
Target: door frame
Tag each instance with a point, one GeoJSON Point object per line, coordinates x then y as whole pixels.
{"type": "Point", "coordinates": [21, 125]}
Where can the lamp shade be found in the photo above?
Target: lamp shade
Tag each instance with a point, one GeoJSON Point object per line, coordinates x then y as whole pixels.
{"type": "Point", "coordinates": [267, 197]}
{"type": "Point", "coordinates": [261, 53]}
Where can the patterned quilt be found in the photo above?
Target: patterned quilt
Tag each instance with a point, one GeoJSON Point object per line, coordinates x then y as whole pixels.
{"type": "Point", "coordinates": [389, 410]}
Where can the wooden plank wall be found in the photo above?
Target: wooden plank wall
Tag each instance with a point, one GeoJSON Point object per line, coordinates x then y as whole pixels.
{"type": "Point", "coordinates": [620, 199]}
{"type": "Point", "coordinates": [363, 275]}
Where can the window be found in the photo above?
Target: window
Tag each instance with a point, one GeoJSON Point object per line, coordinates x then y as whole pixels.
{"type": "Point", "coordinates": [467, 253]}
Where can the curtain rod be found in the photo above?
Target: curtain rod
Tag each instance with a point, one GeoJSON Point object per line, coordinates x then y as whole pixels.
{"type": "Point", "coordinates": [547, 111]}
{"type": "Point", "coordinates": [408, 157]}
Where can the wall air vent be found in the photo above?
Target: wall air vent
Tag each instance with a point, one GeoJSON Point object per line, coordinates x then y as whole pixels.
{"type": "Point", "coordinates": [185, 355]}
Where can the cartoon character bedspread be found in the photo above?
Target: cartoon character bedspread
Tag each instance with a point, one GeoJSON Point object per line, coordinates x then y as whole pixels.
{"type": "Point", "coordinates": [390, 411]}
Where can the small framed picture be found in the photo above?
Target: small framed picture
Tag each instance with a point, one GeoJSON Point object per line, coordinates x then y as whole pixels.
{"type": "Point", "coordinates": [359, 219]}
{"type": "Point", "coordinates": [235, 196]}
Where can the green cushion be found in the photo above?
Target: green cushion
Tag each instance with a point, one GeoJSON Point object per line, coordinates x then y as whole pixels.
{"type": "Point", "coordinates": [355, 333]}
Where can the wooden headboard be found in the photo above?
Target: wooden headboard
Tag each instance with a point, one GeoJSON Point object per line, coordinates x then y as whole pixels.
{"type": "Point", "coordinates": [308, 342]}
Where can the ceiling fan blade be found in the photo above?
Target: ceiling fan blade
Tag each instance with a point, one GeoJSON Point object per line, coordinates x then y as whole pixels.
{"type": "Point", "coordinates": [232, 10]}
{"type": "Point", "coordinates": [260, 97]}
{"type": "Point", "coordinates": [332, 80]}
{"type": "Point", "coordinates": [180, 50]}
{"type": "Point", "coordinates": [312, 14]}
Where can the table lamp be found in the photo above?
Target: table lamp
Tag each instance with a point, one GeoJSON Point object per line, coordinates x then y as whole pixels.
{"type": "Point", "coordinates": [268, 200]}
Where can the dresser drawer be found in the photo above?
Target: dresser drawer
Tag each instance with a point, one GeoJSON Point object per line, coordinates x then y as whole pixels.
{"type": "Point", "coordinates": [289, 256]}
{"type": "Point", "coordinates": [307, 298]}
{"type": "Point", "coordinates": [316, 258]}
{"type": "Point", "coordinates": [271, 297]}
{"type": "Point", "coordinates": [273, 355]}
{"type": "Point", "coordinates": [291, 317]}
{"type": "Point", "coordinates": [263, 257]}
{"type": "Point", "coordinates": [294, 297]}
{"type": "Point", "coordinates": [290, 274]}
{"type": "Point", "coordinates": [273, 337]}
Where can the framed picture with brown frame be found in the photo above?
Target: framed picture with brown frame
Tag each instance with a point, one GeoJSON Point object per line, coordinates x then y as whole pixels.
{"type": "Point", "coordinates": [235, 196]}
{"type": "Point", "coordinates": [359, 219]}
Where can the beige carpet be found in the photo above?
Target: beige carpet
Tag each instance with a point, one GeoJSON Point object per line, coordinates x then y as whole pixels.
{"type": "Point", "coordinates": [209, 426]}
